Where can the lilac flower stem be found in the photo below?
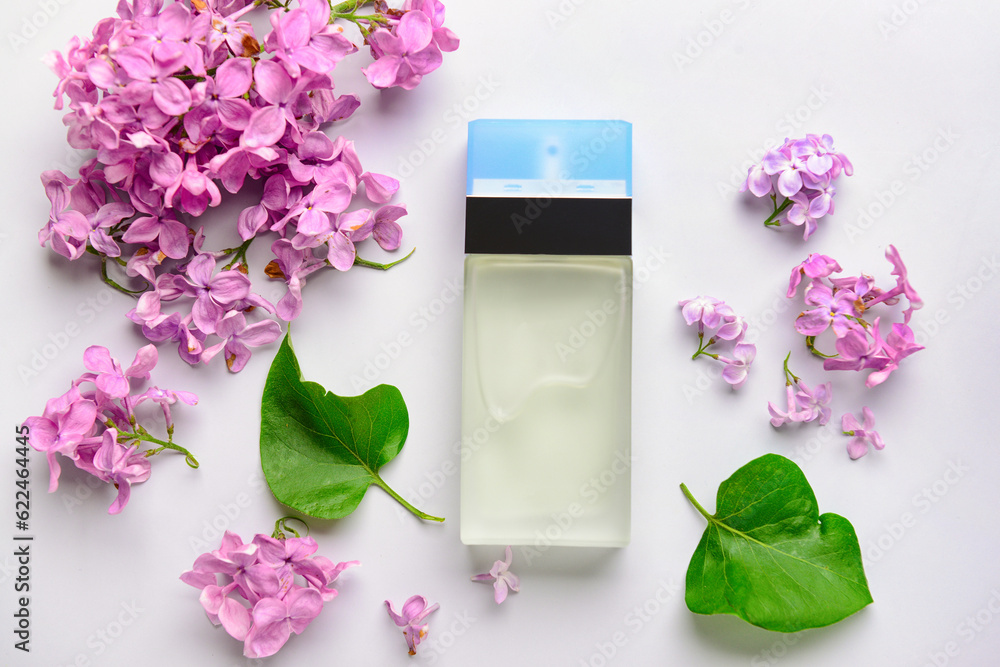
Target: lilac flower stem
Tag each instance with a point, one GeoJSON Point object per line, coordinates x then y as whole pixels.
{"type": "Point", "coordinates": [383, 267]}
{"type": "Point", "coordinates": [810, 344]}
{"type": "Point", "coordinates": [702, 346]}
{"type": "Point", "coordinates": [778, 210]}
{"type": "Point", "coordinates": [281, 525]}
{"type": "Point", "coordinates": [347, 7]}
{"type": "Point", "coordinates": [239, 252]}
{"type": "Point", "coordinates": [790, 377]}
{"type": "Point", "coordinates": [348, 11]}
{"type": "Point", "coordinates": [141, 435]}
{"type": "Point", "coordinates": [107, 279]}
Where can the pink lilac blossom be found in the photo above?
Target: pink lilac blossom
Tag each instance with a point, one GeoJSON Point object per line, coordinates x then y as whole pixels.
{"type": "Point", "coordinates": [410, 47]}
{"type": "Point", "coordinates": [844, 304]}
{"type": "Point", "coordinates": [501, 576]}
{"type": "Point", "coordinates": [801, 171]}
{"type": "Point", "coordinates": [266, 590]}
{"type": "Point", "coordinates": [411, 618]}
{"type": "Point", "coordinates": [862, 435]}
{"type": "Point", "coordinates": [803, 404]}
{"type": "Point", "coordinates": [95, 424]}
{"type": "Point", "coordinates": [717, 322]}
{"type": "Point", "coordinates": [180, 101]}
{"type": "Point", "coordinates": [736, 369]}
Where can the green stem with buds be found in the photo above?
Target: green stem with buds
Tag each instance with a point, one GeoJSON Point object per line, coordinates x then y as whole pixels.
{"type": "Point", "coordinates": [790, 377]}
{"type": "Point", "coordinates": [702, 346]}
{"type": "Point", "coordinates": [348, 11]}
{"type": "Point", "coordinates": [239, 253]}
{"type": "Point", "coordinates": [281, 525]}
{"type": "Point", "coordinates": [142, 435]}
{"type": "Point", "coordinates": [772, 220]}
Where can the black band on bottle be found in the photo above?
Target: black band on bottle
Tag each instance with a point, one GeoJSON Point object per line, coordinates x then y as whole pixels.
{"type": "Point", "coordinates": [548, 225]}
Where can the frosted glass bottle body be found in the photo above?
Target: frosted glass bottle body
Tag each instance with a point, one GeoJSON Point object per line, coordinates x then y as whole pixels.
{"type": "Point", "coordinates": [546, 396]}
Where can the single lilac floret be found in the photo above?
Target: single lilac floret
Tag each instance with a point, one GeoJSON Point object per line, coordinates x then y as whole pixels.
{"type": "Point", "coordinates": [863, 434]}
{"type": "Point", "coordinates": [414, 611]}
{"type": "Point", "coordinates": [501, 576]}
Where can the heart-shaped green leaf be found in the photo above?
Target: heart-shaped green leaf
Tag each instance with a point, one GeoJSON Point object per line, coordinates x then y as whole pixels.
{"type": "Point", "coordinates": [320, 452]}
{"type": "Point", "coordinates": [768, 556]}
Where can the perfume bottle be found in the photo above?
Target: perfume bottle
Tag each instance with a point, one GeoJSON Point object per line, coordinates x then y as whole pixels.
{"type": "Point", "coordinates": [546, 358]}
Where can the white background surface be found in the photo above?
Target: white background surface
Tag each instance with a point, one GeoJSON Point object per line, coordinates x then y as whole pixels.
{"type": "Point", "coordinates": [922, 88]}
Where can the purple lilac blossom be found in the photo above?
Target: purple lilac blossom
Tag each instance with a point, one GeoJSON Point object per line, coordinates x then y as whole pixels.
{"type": "Point", "coordinates": [95, 424]}
{"type": "Point", "coordinates": [180, 100]}
{"type": "Point", "coordinates": [801, 171]}
{"type": "Point", "coordinates": [718, 322]}
{"type": "Point", "coordinates": [264, 591]}
{"type": "Point", "coordinates": [843, 304]}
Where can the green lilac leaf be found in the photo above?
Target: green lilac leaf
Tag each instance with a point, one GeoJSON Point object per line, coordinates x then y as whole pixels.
{"type": "Point", "coordinates": [320, 452]}
{"type": "Point", "coordinates": [769, 557]}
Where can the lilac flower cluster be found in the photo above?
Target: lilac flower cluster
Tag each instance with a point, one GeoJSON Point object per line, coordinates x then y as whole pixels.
{"type": "Point", "coordinates": [253, 590]}
{"type": "Point", "coordinates": [842, 304]}
{"type": "Point", "coordinates": [802, 171]}
{"type": "Point", "coordinates": [94, 424]}
{"type": "Point", "coordinates": [180, 98]}
{"type": "Point", "coordinates": [722, 324]}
